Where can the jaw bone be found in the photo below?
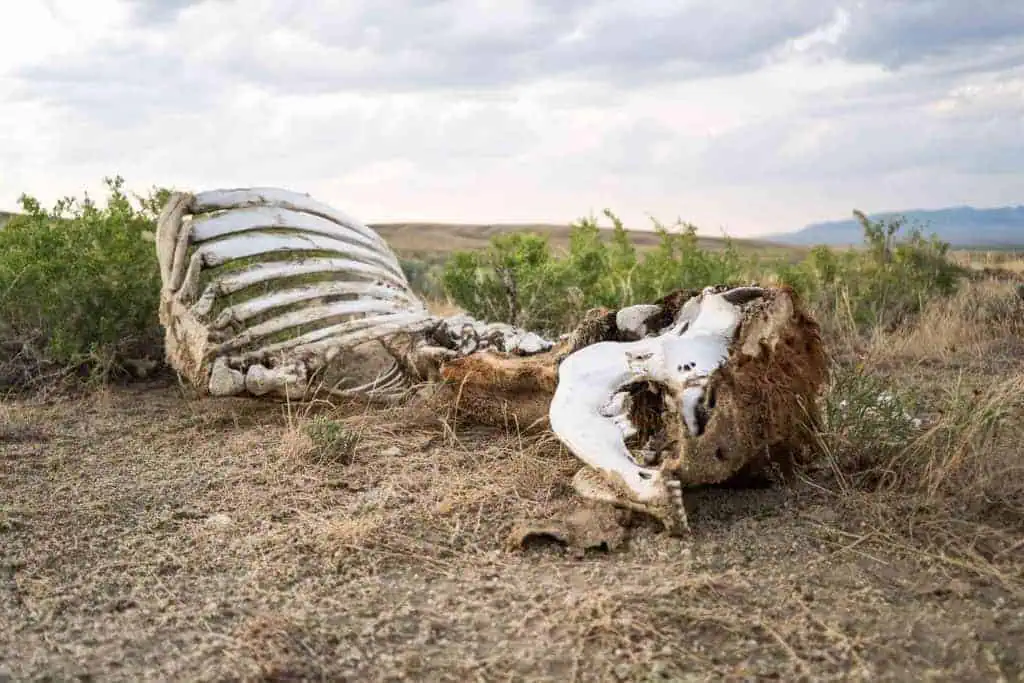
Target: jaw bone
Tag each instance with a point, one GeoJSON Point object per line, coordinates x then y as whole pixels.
{"type": "Point", "coordinates": [585, 412]}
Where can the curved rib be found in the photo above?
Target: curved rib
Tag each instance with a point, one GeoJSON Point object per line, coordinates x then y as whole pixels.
{"type": "Point", "coordinates": [308, 315]}
{"type": "Point", "coordinates": [238, 198]}
{"type": "Point", "coordinates": [344, 335]}
{"type": "Point", "coordinates": [261, 273]}
{"type": "Point", "coordinates": [211, 227]}
{"type": "Point", "coordinates": [239, 313]}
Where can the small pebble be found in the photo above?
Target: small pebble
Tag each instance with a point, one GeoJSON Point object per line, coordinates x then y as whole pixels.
{"type": "Point", "coordinates": [219, 521]}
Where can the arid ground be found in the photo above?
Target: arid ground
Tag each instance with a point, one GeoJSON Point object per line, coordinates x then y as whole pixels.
{"type": "Point", "coordinates": [147, 534]}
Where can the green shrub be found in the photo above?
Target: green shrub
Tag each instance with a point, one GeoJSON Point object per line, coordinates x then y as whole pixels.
{"type": "Point", "coordinates": [79, 284]}
{"type": "Point", "coordinates": [880, 285]}
{"type": "Point", "coordinates": [515, 280]}
{"type": "Point", "coordinates": [518, 279]}
{"type": "Point", "coordinates": [424, 277]}
{"type": "Point", "coordinates": [332, 442]}
{"type": "Point", "coordinates": [865, 423]}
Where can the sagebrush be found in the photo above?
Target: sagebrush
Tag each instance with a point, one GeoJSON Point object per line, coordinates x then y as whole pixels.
{"type": "Point", "coordinates": [520, 280]}
{"type": "Point", "coordinates": [79, 283]}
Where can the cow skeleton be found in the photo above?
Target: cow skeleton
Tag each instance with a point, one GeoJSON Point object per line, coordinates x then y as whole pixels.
{"type": "Point", "coordinates": [266, 291]}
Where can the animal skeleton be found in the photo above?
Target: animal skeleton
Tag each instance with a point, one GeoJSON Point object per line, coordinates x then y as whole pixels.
{"type": "Point", "coordinates": [264, 290]}
{"type": "Point", "coordinates": [267, 291]}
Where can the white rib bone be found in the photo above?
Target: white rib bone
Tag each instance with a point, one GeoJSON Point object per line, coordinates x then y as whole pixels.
{"type": "Point", "coordinates": [258, 305]}
{"type": "Point", "coordinates": [346, 335]}
{"type": "Point", "coordinates": [589, 379]}
{"type": "Point", "coordinates": [210, 227]}
{"type": "Point", "coordinates": [271, 196]}
{"type": "Point", "coordinates": [324, 284]}
{"type": "Point", "coordinates": [245, 245]}
{"type": "Point", "coordinates": [305, 316]}
{"type": "Point", "coordinates": [389, 384]}
{"type": "Point", "coordinates": [238, 237]}
{"type": "Point", "coordinates": [262, 273]}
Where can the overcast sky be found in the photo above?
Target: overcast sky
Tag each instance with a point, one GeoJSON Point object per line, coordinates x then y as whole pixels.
{"type": "Point", "coordinates": [747, 116]}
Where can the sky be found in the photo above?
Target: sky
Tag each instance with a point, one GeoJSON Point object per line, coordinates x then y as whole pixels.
{"type": "Point", "coordinates": [741, 116]}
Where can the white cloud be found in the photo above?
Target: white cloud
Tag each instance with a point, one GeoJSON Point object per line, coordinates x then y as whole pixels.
{"type": "Point", "coordinates": [735, 115]}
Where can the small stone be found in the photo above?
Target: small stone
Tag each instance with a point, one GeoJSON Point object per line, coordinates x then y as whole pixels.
{"type": "Point", "coordinates": [392, 452]}
{"type": "Point", "coordinates": [219, 521]}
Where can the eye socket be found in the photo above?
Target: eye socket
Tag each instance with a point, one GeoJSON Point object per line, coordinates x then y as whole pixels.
{"type": "Point", "coordinates": [701, 413]}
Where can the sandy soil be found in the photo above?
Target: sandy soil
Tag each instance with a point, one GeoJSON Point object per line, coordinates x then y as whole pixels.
{"type": "Point", "coordinates": [149, 535]}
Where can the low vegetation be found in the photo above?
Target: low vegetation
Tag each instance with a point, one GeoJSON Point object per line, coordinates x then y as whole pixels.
{"type": "Point", "coordinates": [79, 285]}
{"type": "Point", "coordinates": [920, 480]}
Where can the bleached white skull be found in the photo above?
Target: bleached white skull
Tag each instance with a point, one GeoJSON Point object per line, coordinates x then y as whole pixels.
{"type": "Point", "coordinates": [589, 409]}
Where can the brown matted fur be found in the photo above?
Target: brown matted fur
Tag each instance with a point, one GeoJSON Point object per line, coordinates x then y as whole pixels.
{"type": "Point", "coordinates": [765, 413]}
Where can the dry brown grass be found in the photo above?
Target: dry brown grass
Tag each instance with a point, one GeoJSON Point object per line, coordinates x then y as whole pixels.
{"type": "Point", "coordinates": [1012, 259]}
{"type": "Point", "coordinates": [150, 535]}
{"type": "Point", "coordinates": [980, 319]}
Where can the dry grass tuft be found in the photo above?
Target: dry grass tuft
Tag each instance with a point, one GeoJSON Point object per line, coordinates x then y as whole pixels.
{"type": "Point", "coordinates": [979, 319]}
{"type": "Point", "coordinates": [923, 434]}
{"type": "Point", "coordinates": [443, 307]}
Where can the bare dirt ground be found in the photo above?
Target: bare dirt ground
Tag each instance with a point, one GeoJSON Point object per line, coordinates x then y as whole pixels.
{"type": "Point", "coordinates": [150, 535]}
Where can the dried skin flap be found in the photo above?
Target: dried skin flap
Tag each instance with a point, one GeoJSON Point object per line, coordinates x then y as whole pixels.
{"type": "Point", "coordinates": [766, 409]}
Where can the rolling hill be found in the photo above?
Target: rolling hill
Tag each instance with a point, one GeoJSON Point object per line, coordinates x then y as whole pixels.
{"type": "Point", "coordinates": [433, 241]}
{"type": "Point", "coordinates": [961, 226]}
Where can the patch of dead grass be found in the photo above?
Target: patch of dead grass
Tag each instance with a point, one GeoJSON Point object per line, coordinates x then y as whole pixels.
{"type": "Point", "coordinates": [979, 320]}
{"type": "Point", "coordinates": [925, 451]}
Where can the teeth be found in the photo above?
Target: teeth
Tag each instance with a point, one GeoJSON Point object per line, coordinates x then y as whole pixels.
{"type": "Point", "coordinates": [675, 489]}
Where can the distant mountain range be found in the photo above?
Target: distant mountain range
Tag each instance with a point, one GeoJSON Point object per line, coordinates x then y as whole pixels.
{"type": "Point", "coordinates": [961, 226]}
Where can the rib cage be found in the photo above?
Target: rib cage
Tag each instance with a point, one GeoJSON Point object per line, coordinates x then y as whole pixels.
{"type": "Point", "coordinates": [263, 288]}
{"type": "Point", "coordinates": [270, 291]}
